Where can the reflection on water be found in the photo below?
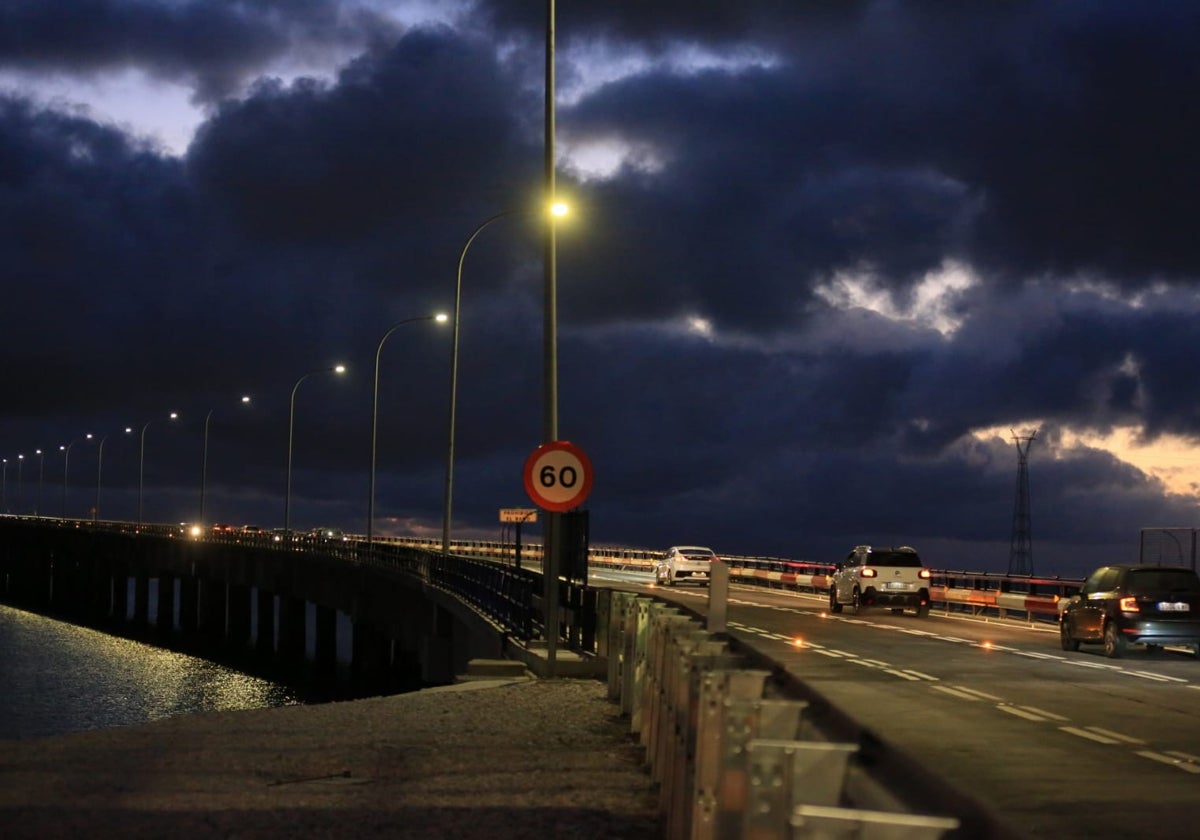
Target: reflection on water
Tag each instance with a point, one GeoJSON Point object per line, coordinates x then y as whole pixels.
{"type": "Point", "coordinates": [56, 677]}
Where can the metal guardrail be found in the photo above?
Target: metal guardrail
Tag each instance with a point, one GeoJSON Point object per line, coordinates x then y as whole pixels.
{"type": "Point", "coordinates": [730, 761]}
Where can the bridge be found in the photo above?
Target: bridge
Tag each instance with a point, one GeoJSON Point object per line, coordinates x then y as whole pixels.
{"type": "Point", "coordinates": [973, 715]}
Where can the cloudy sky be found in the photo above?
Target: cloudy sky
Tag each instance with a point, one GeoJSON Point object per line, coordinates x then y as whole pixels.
{"type": "Point", "coordinates": [825, 259]}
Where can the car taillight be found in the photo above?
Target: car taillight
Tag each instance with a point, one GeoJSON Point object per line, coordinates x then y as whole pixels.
{"type": "Point", "coordinates": [867, 571]}
{"type": "Point", "coordinates": [714, 559]}
{"type": "Point", "coordinates": [925, 574]}
{"type": "Point", "coordinates": [1128, 604]}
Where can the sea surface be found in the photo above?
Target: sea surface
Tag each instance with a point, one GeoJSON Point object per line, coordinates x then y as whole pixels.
{"type": "Point", "coordinates": [57, 678]}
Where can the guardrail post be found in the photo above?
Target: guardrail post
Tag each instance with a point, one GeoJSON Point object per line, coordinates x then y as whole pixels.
{"type": "Point", "coordinates": [636, 641]}
{"type": "Point", "coordinates": [719, 783]}
{"type": "Point", "coordinates": [784, 773]}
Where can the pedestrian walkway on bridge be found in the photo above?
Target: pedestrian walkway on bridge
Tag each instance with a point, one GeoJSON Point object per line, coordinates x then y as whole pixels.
{"type": "Point", "coordinates": [494, 758]}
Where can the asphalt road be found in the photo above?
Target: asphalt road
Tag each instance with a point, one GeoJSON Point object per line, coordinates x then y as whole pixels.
{"type": "Point", "coordinates": [1059, 744]}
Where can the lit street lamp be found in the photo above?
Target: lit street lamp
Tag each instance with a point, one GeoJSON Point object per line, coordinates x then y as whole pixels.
{"type": "Point", "coordinates": [142, 463]}
{"type": "Point", "coordinates": [99, 468]}
{"type": "Point", "coordinates": [556, 209]}
{"type": "Point", "coordinates": [441, 319]}
{"type": "Point", "coordinates": [204, 463]}
{"type": "Point", "coordinates": [66, 466]}
{"type": "Point", "coordinates": [287, 499]}
{"type": "Point", "coordinates": [20, 484]}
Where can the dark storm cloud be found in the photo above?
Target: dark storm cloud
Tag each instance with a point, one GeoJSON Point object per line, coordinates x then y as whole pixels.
{"type": "Point", "coordinates": [725, 392]}
{"type": "Point", "coordinates": [213, 47]}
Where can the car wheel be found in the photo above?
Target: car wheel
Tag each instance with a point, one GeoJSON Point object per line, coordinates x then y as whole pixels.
{"type": "Point", "coordinates": [1114, 642]}
{"type": "Point", "coordinates": [834, 606]}
{"type": "Point", "coordinates": [856, 606]}
{"type": "Point", "coordinates": [1196, 651]}
{"type": "Point", "coordinates": [1153, 648]}
{"type": "Point", "coordinates": [923, 610]}
{"type": "Point", "coordinates": [899, 611]}
{"type": "Point", "coordinates": [1064, 635]}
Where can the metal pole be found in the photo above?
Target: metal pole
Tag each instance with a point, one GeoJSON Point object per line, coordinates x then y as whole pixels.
{"type": "Point", "coordinates": [204, 466]}
{"type": "Point", "coordinates": [551, 540]}
{"type": "Point", "coordinates": [287, 500]}
{"type": "Point", "coordinates": [99, 467]}
{"type": "Point", "coordinates": [448, 500]}
{"type": "Point", "coordinates": [20, 485]}
{"type": "Point", "coordinates": [37, 502]}
{"type": "Point", "coordinates": [375, 420]}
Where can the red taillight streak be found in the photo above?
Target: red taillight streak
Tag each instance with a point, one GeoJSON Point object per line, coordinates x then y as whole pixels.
{"type": "Point", "coordinates": [1129, 605]}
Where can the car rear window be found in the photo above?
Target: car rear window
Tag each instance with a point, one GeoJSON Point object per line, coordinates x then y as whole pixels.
{"type": "Point", "coordinates": [1163, 580]}
{"type": "Point", "coordinates": [893, 558]}
{"type": "Point", "coordinates": [698, 554]}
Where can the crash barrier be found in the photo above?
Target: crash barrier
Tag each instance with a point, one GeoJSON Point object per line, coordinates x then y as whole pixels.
{"type": "Point", "coordinates": [730, 761]}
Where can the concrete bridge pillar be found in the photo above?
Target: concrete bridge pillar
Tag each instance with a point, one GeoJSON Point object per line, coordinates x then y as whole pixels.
{"type": "Point", "coordinates": [264, 638]}
{"type": "Point", "coordinates": [325, 658]}
{"type": "Point", "coordinates": [292, 626]}
{"type": "Point", "coordinates": [238, 609]}
{"type": "Point", "coordinates": [371, 659]}
{"type": "Point", "coordinates": [189, 603]}
{"type": "Point", "coordinates": [164, 622]}
{"type": "Point", "coordinates": [120, 596]}
{"type": "Point", "coordinates": [212, 611]}
{"type": "Point", "coordinates": [437, 647]}
{"type": "Point", "coordinates": [141, 600]}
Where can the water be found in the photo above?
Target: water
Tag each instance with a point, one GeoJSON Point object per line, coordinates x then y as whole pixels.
{"type": "Point", "coordinates": [57, 678]}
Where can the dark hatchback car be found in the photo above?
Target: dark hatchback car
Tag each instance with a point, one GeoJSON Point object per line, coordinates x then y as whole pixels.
{"type": "Point", "coordinates": [1123, 605]}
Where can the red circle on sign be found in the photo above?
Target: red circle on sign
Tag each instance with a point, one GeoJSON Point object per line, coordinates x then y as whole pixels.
{"type": "Point", "coordinates": [558, 476]}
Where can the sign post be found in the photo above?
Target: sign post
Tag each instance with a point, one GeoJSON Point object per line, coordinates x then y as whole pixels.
{"type": "Point", "coordinates": [517, 516]}
{"type": "Point", "coordinates": [558, 477]}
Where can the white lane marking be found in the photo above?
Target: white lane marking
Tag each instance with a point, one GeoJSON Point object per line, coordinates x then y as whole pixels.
{"type": "Point", "coordinates": [1182, 756]}
{"type": "Point", "coordinates": [1098, 666]}
{"type": "Point", "coordinates": [1108, 733]}
{"type": "Point", "coordinates": [836, 654]}
{"type": "Point", "coordinates": [1021, 712]}
{"type": "Point", "coordinates": [1034, 655]}
{"type": "Point", "coordinates": [1091, 736]}
{"type": "Point", "coordinates": [1156, 677]}
{"type": "Point", "coordinates": [922, 676]}
{"type": "Point", "coordinates": [982, 695]}
{"type": "Point", "coordinates": [901, 674]}
{"type": "Point", "coordinates": [1170, 760]}
{"type": "Point", "coordinates": [1047, 715]}
{"type": "Point", "coordinates": [954, 692]}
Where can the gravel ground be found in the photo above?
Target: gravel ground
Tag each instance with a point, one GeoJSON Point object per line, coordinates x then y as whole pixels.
{"type": "Point", "coordinates": [483, 759]}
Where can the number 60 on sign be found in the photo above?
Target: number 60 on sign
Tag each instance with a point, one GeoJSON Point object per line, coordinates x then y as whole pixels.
{"type": "Point", "coordinates": [558, 476]}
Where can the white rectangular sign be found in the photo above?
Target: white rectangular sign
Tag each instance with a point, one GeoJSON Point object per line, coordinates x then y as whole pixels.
{"type": "Point", "coordinates": [518, 514]}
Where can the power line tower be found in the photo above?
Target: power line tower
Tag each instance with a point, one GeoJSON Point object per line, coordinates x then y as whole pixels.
{"type": "Point", "coordinates": [1020, 552]}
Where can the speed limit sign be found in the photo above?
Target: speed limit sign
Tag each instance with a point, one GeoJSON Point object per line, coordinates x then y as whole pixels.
{"type": "Point", "coordinates": [558, 476]}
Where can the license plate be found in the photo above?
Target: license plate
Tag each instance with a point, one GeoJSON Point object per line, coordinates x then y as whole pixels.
{"type": "Point", "coordinates": [1174, 606]}
{"type": "Point", "coordinates": [899, 585]}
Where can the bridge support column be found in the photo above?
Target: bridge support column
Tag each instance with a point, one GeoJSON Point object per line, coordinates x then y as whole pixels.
{"type": "Point", "coordinates": [164, 622]}
{"type": "Point", "coordinates": [189, 603]}
{"type": "Point", "coordinates": [371, 659]}
{"type": "Point", "coordinates": [437, 648]}
{"type": "Point", "coordinates": [120, 596]}
{"type": "Point", "coordinates": [264, 638]}
{"type": "Point", "coordinates": [99, 590]}
{"type": "Point", "coordinates": [238, 608]}
{"type": "Point", "coordinates": [212, 612]}
{"type": "Point", "coordinates": [292, 626]}
{"type": "Point", "coordinates": [325, 659]}
{"type": "Point", "coordinates": [141, 600]}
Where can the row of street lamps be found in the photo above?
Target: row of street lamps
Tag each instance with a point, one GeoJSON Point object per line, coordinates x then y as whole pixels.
{"type": "Point", "coordinates": [556, 209]}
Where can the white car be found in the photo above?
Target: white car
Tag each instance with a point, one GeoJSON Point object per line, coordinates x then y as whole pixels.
{"type": "Point", "coordinates": [684, 563]}
{"type": "Point", "coordinates": [880, 577]}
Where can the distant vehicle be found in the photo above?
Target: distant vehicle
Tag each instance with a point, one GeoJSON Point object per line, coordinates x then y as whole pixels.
{"type": "Point", "coordinates": [327, 534]}
{"type": "Point", "coordinates": [252, 530]}
{"type": "Point", "coordinates": [681, 563]}
{"type": "Point", "coordinates": [280, 534]}
{"type": "Point", "coordinates": [880, 577]}
{"type": "Point", "coordinates": [1123, 605]}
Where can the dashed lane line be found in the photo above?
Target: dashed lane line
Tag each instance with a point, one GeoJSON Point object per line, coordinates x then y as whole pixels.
{"type": "Point", "coordinates": [1172, 760]}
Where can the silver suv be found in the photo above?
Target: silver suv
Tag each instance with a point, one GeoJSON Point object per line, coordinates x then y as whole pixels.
{"type": "Point", "coordinates": [684, 563]}
{"type": "Point", "coordinates": [880, 577]}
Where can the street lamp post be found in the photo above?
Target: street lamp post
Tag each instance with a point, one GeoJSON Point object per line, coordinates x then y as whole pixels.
{"type": "Point", "coordinates": [287, 499]}
{"type": "Point", "coordinates": [66, 468]}
{"type": "Point", "coordinates": [99, 473]}
{"type": "Point", "coordinates": [20, 484]}
{"type": "Point", "coordinates": [142, 463]}
{"type": "Point", "coordinates": [204, 462]}
{"type": "Point", "coordinates": [37, 501]}
{"type": "Point", "coordinates": [440, 318]}
{"type": "Point", "coordinates": [4, 490]}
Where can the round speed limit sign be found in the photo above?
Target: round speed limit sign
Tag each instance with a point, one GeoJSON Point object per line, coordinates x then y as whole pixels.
{"type": "Point", "coordinates": [558, 476]}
